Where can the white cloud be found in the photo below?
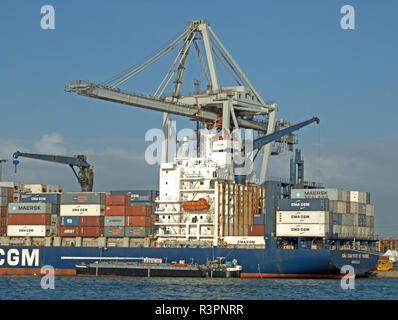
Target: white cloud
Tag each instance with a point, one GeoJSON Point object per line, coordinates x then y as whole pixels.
{"type": "Point", "coordinates": [52, 143]}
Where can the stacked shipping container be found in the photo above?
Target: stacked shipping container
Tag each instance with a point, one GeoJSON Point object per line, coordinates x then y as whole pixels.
{"type": "Point", "coordinates": [6, 196]}
{"type": "Point", "coordinates": [82, 214]}
{"type": "Point", "coordinates": [350, 212]}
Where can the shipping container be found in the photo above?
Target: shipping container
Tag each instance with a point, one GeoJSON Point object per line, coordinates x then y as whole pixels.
{"type": "Point", "coordinates": [36, 208]}
{"type": "Point", "coordinates": [256, 231]}
{"type": "Point", "coordinates": [53, 198]}
{"type": "Point", "coordinates": [83, 198]}
{"type": "Point", "coordinates": [138, 210]}
{"type": "Point", "coordinates": [303, 204]}
{"type": "Point", "coordinates": [89, 221]}
{"type": "Point", "coordinates": [15, 186]}
{"type": "Point", "coordinates": [27, 230]}
{"type": "Point", "coordinates": [338, 206]}
{"type": "Point", "coordinates": [331, 194]}
{"type": "Point", "coordinates": [69, 231]}
{"type": "Point", "coordinates": [236, 240]}
{"type": "Point", "coordinates": [138, 221]}
{"type": "Point", "coordinates": [115, 210]}
{"type": "Point", "coordinates": [81, 210]}
{"type": "Point", "coordinates": [70, 221]}
{"type": "Point", "coordinates": [115, 221]}
{"type": "Point", "coordinates": [138, 232]}
{"type": "Point", "coordinates": [29, 219]}
{"type": "Point", "coordinates": [4, 201]}
{"type": "Point", "coordinates": [370, 210]}
{"type": "Point", "coordinates": [302, 230]}
{"type": "Point", "coordinates": [3, 211]}
{"type": "Point", "coordinates": [259, 219]}
{"type": "Point", "coordinates": [117, 200]}
{"type": "Point", "coordinates": [114, 231]}
{"type": "Point", "coordinates": [289, 217]}
{"type": "Point", "coordinates": [138, 195]}
{"type": "Point", "coordinates": [6, 192]}
{"type": "Point", "coordinates": [91, 231]}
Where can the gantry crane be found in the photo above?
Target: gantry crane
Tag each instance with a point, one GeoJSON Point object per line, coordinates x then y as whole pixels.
{"type": "Point", "coordinates": [85, 176]}
{"type": "Point", "coordinates": [232, 107]}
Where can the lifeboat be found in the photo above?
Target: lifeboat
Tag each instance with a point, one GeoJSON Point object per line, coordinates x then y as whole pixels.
{"type": "Point", "coordinates": [196, 205]}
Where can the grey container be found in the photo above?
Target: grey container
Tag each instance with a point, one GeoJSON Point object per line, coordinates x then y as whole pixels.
{"type": "Point", "coordinates": [4, 192]}
{"type": "Point", "coordinates": [114, 231]}
{"type": "Point", "coordinates": [138, 195]}
{"type": "Point", "coordinates": [53, 198]}
{"type": "Point", "coordinates": [303, 204]}
{"type": "Point", "coordinates": [3, 201]}
{"type": "Point", "coordinates": [114, 221]}
{"type": "Point", "coordinates": [27, 208]}
{"type": "Point", "coordinates": [83, 198]}
{"type": "Point", "coordinates": [138, 232]}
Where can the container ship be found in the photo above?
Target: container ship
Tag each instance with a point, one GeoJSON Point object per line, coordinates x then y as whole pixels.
{"type": "Point", "coordinates": [209, 204]}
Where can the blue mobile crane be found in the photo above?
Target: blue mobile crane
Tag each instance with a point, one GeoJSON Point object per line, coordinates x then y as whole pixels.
{"type": "Point", "coordinates": [85, 176]}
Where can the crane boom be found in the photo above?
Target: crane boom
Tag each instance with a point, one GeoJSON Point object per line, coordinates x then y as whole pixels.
{"type": "Point", "coordinates": [85, 176]}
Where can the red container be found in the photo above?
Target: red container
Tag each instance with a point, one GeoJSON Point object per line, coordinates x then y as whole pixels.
{"type": "Point", "coordinates": [91, 231]}
{"type": "Point", "coordinates": [138, 221]}
{"type": "Point", "coordinates": [3, 212]}
{"type": "Point", "coordinates": [115, 210]}
{"type": "Point", "coordinates": [91, 222]}
{"type": "Point", "coordinates": [69, 231]}
{"type": "Point", "coordinates": [3, 222]}
{"type": "Point", "coordinates": [29, 219]}
{"type": "Point", "coordinates": [3, 231]}
{"type": "Point", "coordinates": [256, 231]}
{"type": "Point", "coordinates": [138, 210]}
{"type": "Point", "coordinates": [117, 200]}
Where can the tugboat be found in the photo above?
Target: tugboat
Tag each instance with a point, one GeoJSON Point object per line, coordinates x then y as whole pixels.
{"type": "Point", "coordinates": [155, 267]}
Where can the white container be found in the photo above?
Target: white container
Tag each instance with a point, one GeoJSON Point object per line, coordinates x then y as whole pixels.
{"type": "Point", "coordinates": [80, 210]}
{"type": "Point", "coordinates": [27, 231]}
{"type": "Point", "coordinates": [337, 229]}
{"type": "Point", "coordinates": [245, 240]}
{"type": "Point", "coordinates": [302, 230]}
{"type": "Point", "coordinates": [338, 206]}
{"type": "Point", "coordinates": [321, 217]}
{"type": "Point", "coordinates": [354, 207]}
{"type": "Point", "coordinates": [370, 210]}
{"type": "Point", "coordinates": [331, 194]}
{"type": "Point", "coordinates": [354, 196]}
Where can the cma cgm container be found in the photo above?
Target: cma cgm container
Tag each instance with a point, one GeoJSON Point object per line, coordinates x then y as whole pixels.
{"type": "Point", "coordinates": [81, 210]}
{"type": "Point", "coordinates": [303, 204]}
{"type": "Point", "coordinates": [53, 198]}
{"type": "Point", "coordinates": [320, 217]}
{"type": "Point", "coordinates": [302, 230]}
{"type": "Point", "coordinates": [138, 195]}
{"type": "Point", "coordinates": [28, 230]}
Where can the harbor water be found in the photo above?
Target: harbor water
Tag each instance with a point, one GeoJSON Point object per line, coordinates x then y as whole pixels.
{"type": "Point", "coordinates": [131, 288]}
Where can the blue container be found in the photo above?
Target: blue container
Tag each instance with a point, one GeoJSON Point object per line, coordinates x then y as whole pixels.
{"type": "Point", "coordinates": [303, 204]}
{"type": "Point", "coordinates": [138, 195]}
{"type": "Point", "coordinates": [53, 198]}
{"type": "Point", "coordinates": [70, 221]}
{"type": "Point", "coordinates": [259, 219]}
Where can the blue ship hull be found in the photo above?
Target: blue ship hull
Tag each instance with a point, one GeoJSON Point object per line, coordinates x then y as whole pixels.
{"type": "Point", "coordinates": [271, 262]}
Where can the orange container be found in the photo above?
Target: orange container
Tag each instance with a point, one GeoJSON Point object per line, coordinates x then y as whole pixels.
{"type": "Point", "coordinates": [91, 231]}
{"type": "Point", "coordinates": [29, 219]}
{"type": "Point", "coordinates": [138, 210]}
{"type": "Point", "coordinates": [117, 200]}
{"type": "Point", "coordinates": [91, 221]}
{"type": "Point", "coordinates": [138, 221]}
{"type": "Point", "coordinates": [115, 210]}
{"type": "Point", "coordinates": [257, 231]}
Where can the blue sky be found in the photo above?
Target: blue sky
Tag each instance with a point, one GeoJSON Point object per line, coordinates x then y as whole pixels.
{"type": "Point", "coordinates": [294, 52]}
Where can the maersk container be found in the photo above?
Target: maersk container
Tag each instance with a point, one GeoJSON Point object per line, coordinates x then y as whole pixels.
{"type": "Point", "coordinates": [25, 208]}
{"type": "Point", "coordinates": [81, 210]}
{"type": "Point", "coordinates": [27, 230]}
{"type": "Point", "coordinates": [331, 194]}
{"type": "Point", "coordinates": [83, 198]}
{"type": "Point", "coordinates": [114, 221]}
{"type": "Point", "coordinates": [288, 217]}
{"type": "Point", "coordinates": [137, 232]}
{"type": "Point", "coordinates": [302, 230]}
{"type": "Point", "coordinates": [53, 198]}
{"type": "Point", "coordinates": [114, 232]}
{"type": "Point", "coordinates": [303, 204]}
{"type": "Point", "coordinates": [139, 195]}
{"type": "Point", "coordinates": [69, 221]}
